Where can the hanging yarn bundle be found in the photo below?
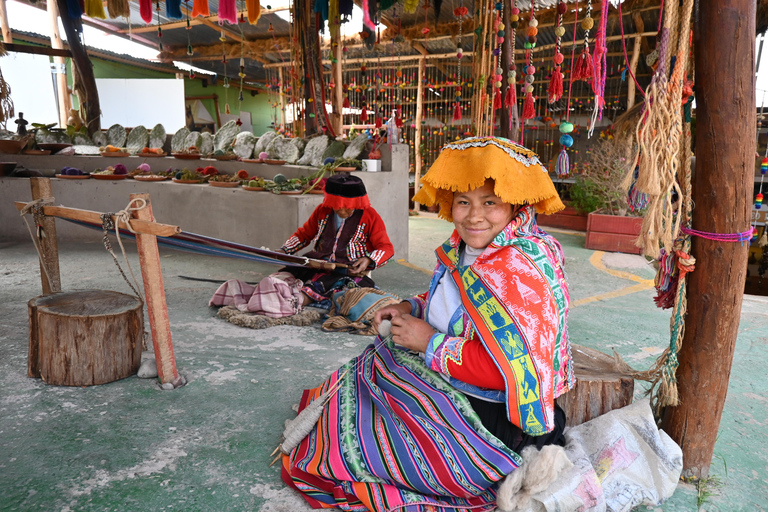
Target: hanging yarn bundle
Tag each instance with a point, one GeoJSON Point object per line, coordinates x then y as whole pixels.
{"type": "Point", "coordinates": [599, 69]}
{"type": "Point", "coordinates": [75, 10]}
{"type": "Point", "coordinates": [173, 9]}
{"type": "Point", "coordinates": [117, 8]}
{"type": "Point", "coordinates": [199, 8]}
{"type": "Point", "coordinates": [95, 9]}
{"type": "Point", "coordinates": [227, 12]}
{"type": "Point", "coordinates": [555, 89]}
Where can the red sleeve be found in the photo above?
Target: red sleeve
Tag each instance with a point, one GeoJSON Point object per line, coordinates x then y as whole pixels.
{"type": "Point", "coordinates": [380, 249]}
{"type": "Point", "coordinates": [464, 359]}
{"type": "Point", "coordinates": [306, 233]}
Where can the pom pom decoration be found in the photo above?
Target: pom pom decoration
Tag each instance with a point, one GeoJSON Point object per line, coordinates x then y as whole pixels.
{"type": "Point", "coordinates": [758, 201]}
{"type": "Point", "coordinates": [764, 166]}
{"type": "Point", "coordinates": [566, 140]}
{"type": "Point", "coordinates": [566, 127]}
{"type": "Point", "coordinates": [264, 155]}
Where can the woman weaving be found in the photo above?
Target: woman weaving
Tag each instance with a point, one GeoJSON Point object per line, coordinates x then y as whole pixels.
{"type": "Point", "coordinates": [443, 426]}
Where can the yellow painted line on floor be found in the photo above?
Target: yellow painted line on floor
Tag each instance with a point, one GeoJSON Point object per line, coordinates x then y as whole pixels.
{"type": "Point", "coordinates": [597, 261]}
{"type": "Point", "coordinates": [414, 267]}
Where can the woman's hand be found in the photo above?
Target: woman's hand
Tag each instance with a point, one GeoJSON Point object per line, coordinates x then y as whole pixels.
{"type": "Point", "coordinates": [390, 312]}
{"type": "Point", "coordinates": [411, 332]}
{"type": "Point", "coordinates": [360, 266]}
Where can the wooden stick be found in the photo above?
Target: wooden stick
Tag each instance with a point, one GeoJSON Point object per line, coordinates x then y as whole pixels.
{"type": "Point", "coordinates": [6, 29]}
{"type": "Point", "coordinates": [417, 136]}
{"type": "Point", "coordinates": [138, 225]}
{"type": "Point", "coordinates": [62, 88]}
{"type": "Point", "coordinates": [149, 257]}
{"type": "Point", "coordinates": [633, 69]}
{"type": "Point", "coordinates": [49, 247]}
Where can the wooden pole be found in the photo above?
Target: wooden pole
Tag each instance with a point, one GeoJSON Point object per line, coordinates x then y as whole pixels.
{"type": "Point", "coordinates": [722, 193]}
{"type": "Point", "coordinates": [417, 136]}
{"type": "Point", "coordinates": [337, 95]}
{"type": "Point", "coordinates": [6, 29]}
{"type": "Point", "coordinates": [62, 88]}
{"type": "Point", "coordinates": [281, 73]}
{"type": "Point", "coordinates": [632, 87]}
{"type": "Point", "coordinates": [91, 110]}
{"type": "Point", "coordinates": [49, 246]}
{"type": "Point", "coordinates": [149, 257]}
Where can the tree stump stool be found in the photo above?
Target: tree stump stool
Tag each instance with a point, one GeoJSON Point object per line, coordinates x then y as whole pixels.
{"type": "Point", "coordinates": [85, 337]}
{"type": "Point", "coordinates": [600, 386]}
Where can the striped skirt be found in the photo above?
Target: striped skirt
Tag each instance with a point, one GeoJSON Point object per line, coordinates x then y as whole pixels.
{"type": "Point", "coordinates": [396, 436]}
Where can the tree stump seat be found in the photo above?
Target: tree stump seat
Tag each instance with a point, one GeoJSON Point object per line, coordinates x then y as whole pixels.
{"type": "Point", "coordinates": [82, 338]}
{"type": "Point", "coordinates": [600, 386]}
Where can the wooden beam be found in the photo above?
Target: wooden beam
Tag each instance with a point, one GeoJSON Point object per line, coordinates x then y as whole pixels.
{"type": "Point", "coordinates": [722, 193]}
{"type": "Point", "coordinates": [382, 59]}
{"type": "Point", "coordinates": [110, 29]}
{"type": "Point", "coordinates": [422, 50]}
{"type": "Point", "coordinates": [154, 291]}
{"type": "Point", "coordinates": [6, 29]}
{"type": "Point", "coordinates": [49, 245]}
{"type": "Point", "coordinates": [417, 136]}
{"type": "Point", "coordinates": [192, 21]}
{"type": "Point", "coordinates": [632, 87]}
{"type": "Point", "coordinates": [37, 50]}
{"type": "Point", "coordinates": [139, 226]}
{"type": "Point", "coordinates": [337, 94]}
{"type": "Point", "coordinates": [62, 87]}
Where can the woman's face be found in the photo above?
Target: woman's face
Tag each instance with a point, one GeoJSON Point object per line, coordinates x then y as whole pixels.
{"type": "Point", "coordinates": [479, 215]}
{"type": "Point", "coordinates": [344, 212]}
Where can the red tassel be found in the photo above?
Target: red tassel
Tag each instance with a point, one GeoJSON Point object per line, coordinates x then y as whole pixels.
{"type": "Point", "coordinates": [346, 102]}
{"type": "Point", "coordinates": [399, 116]}
{"type": "Point", "coordinates": [378, 122]}
{"type": "Point", "coordinates": [497, 99]}
{"type": "Point", "coordinates": [555, 90]}
{"type": "Point", "coordinates": [584, 68]}
{"type": "Point", "coordinates": [364, 115]}
{"type": "Point", "coordinates": [457, 111]}
{"type": "Point", "coordinates": [511, 97]}
{"type": "Point", "coordinates": [529, 111]}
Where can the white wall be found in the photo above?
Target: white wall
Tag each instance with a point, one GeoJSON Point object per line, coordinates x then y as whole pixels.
{"type": "Point", "coordinates": [32, 90]}
{"type": "Point", "coordinates": [142, 101]}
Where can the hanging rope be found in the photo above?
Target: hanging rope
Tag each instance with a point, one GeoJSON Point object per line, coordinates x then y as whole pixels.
{"type": "Point", "coordinates": [36, 209]}
{"type": "Point", "coordinates": [108, 223]}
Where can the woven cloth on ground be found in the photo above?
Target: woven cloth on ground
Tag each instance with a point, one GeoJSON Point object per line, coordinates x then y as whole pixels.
{"type": "Point", "coordinates": [307, 316]}
{"type": "Point", "coordinates": [276, 296]}
{"type": "Point", "coordinates": [353, 309]}
{"type": "Point", "coordinates": [396, 435]}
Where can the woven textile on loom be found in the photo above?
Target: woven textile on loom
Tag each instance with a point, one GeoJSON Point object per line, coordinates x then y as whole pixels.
{"type": "Point", "coordinates": [393, 404]}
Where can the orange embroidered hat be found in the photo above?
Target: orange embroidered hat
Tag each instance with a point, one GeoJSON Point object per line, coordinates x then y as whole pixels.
{"type": "Point", "coordinates": [466, 164]}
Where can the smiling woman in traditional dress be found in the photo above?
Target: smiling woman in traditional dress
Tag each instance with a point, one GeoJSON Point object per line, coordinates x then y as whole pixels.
{"type": "Point", "coordinates": [439, 417]}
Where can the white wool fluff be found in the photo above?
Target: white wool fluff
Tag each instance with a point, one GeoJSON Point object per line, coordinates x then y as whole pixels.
{"type": "Point", "coordinates": [539, 470]}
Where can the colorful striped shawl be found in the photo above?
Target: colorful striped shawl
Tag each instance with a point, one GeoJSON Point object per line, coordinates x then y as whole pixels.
{"type": "Point", "coordinates": [516, 295]}
{"type": "Point", "coordinates": [397, 437]}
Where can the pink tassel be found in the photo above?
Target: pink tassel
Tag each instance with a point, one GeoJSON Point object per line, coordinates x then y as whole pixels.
{"type": "Point", "coordinates": [457, 111]}
{"type": "Point", "coordinates": [529, 111]}
{"type": "Point", "coordinates": [585, 68]}
{"type": "Point", "coordinates": [227, 12]}
{"type": "Point", "coordinates": [497, 100]}
{"type": "Point", "coordinates": [145, 8]}
{"type": "Point", "coordinates": [555, 91]}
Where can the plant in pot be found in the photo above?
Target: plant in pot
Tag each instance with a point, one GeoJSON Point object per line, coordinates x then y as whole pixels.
{"type": "Point", "coordinates": [599, 192]}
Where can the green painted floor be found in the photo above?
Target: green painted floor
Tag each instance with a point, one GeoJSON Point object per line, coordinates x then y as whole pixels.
{"type": "Point", "coordinates": [130, 446]}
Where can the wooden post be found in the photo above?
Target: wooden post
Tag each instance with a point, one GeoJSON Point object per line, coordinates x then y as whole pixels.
{"type": "Point", "coordinates": [149, 257]}
{"type": "Point", "coordinates": [337, 95]}
{"type": "Point", "coordinates": [417, 137]}
{"type": "Point", "coordinates": [90, 110]}
{"type": "Point", "coordinates": [49, 247]}
{"type": "Point", "coordinates": [61, 75]}
{"type": "Point", "coordinates": [7, 37]}
{"type": "Point", "coordinates": [722, 193]}
{"type": "Point", "coordinates": [281, 72]}
{"type": "Point", "coordinates": [632, 88]}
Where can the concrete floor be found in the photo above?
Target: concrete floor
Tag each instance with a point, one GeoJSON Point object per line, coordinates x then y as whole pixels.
{"type": "Point", "coordinates": [130, 446]}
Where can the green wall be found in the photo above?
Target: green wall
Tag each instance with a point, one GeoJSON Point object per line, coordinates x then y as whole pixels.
{"type": "Point", "coordinates": [257, 105]}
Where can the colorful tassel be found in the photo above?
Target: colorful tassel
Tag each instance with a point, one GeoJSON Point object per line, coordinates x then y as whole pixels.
{"type": "Point", "coordinates": [399, 116]}
{"type": "Point", "coordinates": [145, 9]}
{"type": "Point", "coordinates": [254, 11]}
{"type": "Point", "coordinates": [199, 8]}
{"type": "Point", "coordinates": [585, 68]}
{"type": "Point", "coordinates": [173, 9]}
{"type": "Point", "coordinates": [563, 165]}
{"type": "Point", "coordinates": [346, 102]}
{"type": "Point", "coordinates": [529, 111]}
{"type": "Point", "coordinates": [227, 12]}
{"type": "Point", "coordinates": [95, 9]}
{"type": "Point", "coordinates": [555, 90]}
{"type": "Point", "coordinates": [510, 99]}
{"type": "Point", "coordinates": [377, 123]}
{"type": "Point", "coordinates": [497, 99]}
{"type": "Point", "coordinates": [364, 115]}
{"type": "Point", "coordinates": [457, 111]}
{"type": "Point", "coordinates": [636, 199]}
